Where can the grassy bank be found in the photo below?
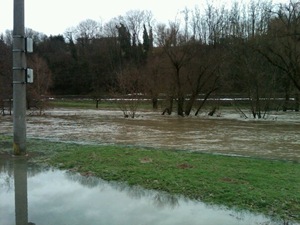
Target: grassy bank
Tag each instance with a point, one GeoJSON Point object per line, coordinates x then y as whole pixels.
{"type": "Point", "coordinates": [270, 187]}
{"type": "Point", "coordinates": [80, 103]}
{"type": "Point", "coordinates": [266, 186]}
{"type": "Point", "coordinates": [91, 104]}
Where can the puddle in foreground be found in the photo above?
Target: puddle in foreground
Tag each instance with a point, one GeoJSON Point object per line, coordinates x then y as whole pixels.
{"type": "Point", "coordinates": [47, 197]}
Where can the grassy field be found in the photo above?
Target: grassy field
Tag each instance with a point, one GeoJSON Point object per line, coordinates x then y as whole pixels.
{"type": "Point", "coordinates": [266, 186]}
{"type": "Point", "coordinates": [80, 103]}
{"type": "Point", "coordinates": [270, 187]}
{"type": "Point", "coordinates": [91, 104]}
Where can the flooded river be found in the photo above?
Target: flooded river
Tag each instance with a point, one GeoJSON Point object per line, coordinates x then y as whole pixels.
{"type": "Point", "coordinates": [33, 195]}
{"type": "Point", "coordinates": [276, 137]}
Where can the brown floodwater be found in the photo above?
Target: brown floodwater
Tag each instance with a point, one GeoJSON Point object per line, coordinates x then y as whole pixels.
{"type": "Point", "coordinates": [277, 137]}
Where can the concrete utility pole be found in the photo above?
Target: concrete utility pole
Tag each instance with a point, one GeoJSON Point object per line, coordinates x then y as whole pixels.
{"type": "Point", "coordinates": [19, 84]}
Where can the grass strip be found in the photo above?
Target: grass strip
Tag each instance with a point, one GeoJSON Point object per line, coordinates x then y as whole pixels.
{"type": "Point", "coordinates": [73, 103]}
{"type": "Point", "coordinates": [269, 187]}
{"type": "Point", "coordinates": [91, 104]}
{"type": "Point", "coordinates": [263, 186]}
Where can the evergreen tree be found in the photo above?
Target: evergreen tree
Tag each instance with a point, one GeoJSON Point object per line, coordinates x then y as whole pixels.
{"type": "Point", "coordinates": [124, 39]}
{"type": "Point", "coordinates": [146, 40]}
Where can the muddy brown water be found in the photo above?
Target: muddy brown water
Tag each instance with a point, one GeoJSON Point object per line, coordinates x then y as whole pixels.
{"type": "Point", "coordinates": [276, 137]}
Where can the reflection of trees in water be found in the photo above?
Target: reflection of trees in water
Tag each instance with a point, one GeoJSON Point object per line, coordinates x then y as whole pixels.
{"type": "Point", "coordinates": [6, 181]}
{"type": "Point", "coordinates": [160, 199]}
{"type": "Point", "coordinates": [6, 166]}
{"type": "Point", "coordinates": [7, 172]}
{"type": "Point", "coordinates": [88, 181]}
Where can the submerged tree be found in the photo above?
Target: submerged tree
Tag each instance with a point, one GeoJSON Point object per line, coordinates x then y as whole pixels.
{"type": "Point", "coordinates": [179, 52]}
{"type": "Point", "coordinates": [129, 91]}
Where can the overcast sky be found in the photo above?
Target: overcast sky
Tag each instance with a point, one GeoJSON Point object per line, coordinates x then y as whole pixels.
{"type": "Point", "coordinates": [55, 16]}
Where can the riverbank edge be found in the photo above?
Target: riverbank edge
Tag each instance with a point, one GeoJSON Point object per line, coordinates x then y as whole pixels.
{"type": "Point", "coordinates": [258, 185]}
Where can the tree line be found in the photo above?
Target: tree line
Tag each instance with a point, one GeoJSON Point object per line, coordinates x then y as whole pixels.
{"type": "Point", "coordinates": [249, 50]}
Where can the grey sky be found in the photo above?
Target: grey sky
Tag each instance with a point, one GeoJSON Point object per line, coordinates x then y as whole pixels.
{"type": "Point", "coordinates": [55, 16]}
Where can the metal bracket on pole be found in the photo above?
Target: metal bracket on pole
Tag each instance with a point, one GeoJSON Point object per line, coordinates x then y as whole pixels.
{"type": "Point", "coordinates": [18, 82]}
{"type": "Point", "coordinates": [18, 50]}
{"type": "Point", "coordinates": [18, 36]}
{"type": "Point", "coordinates": [28, 44]}
{"type": "Point", "coordinates": [18, 68]}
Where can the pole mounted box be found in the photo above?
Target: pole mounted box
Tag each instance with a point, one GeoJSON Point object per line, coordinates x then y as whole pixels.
{"type": "Point", "coordinates": [29, 75]}
{"type": "Point", "coordinates": [28, 71]}
{"type": "Point", "coordinates": [28, 45]}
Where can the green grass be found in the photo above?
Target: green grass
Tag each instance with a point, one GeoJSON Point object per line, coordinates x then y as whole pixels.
{"type": "Point", "coordinates": [91, 104]}
{"type": "Point", "coordinates": [71, 103]}
{"type": "Point", "coordinates": [264, 186]}
{"type": "Point", "coordinates": [270, 187]}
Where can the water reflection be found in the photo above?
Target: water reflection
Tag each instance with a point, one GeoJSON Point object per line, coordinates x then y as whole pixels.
{"type": "Point", "coordinates": [20, 181]}
{"type": "Point", "coordinates": [16, 179]}
{"type": "Point", "coordinates": [160, 199]}
{"type": "Point", "coordinates": [60, 197]}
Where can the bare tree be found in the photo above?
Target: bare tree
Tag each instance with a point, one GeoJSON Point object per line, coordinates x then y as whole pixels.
{"type": "Point", "coordinates": [134, 21]}
{"type": "Point", "coordinates": [281, 46]}
{"type": "Point", "coordinates": [85, 32]}
{"type": "Point", "coordinates": [156, 75]}
{"type": "Point", "coordinates": [41, 84]}
{"type": "Point", "coordinates": [203, 75]}
{"type": "Point", "coordinates": [198, 25]}
{"type": "Point", "coordinates": [129, 91]}
{"type": "Point", "coordinates": [8, 37]}
{"type": "Point", "coordinates": [259, 14]}
{"type": "Point", "coordinates": [284, 36]}
{"type": "Point", "coordinates": [179, 52]}
{"type": "Point", "coordinates": [36, 36]}
{"type": "Point", "coordinates": [5, 77]}
{"type": "Point", "coordinates": [216, 23]}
